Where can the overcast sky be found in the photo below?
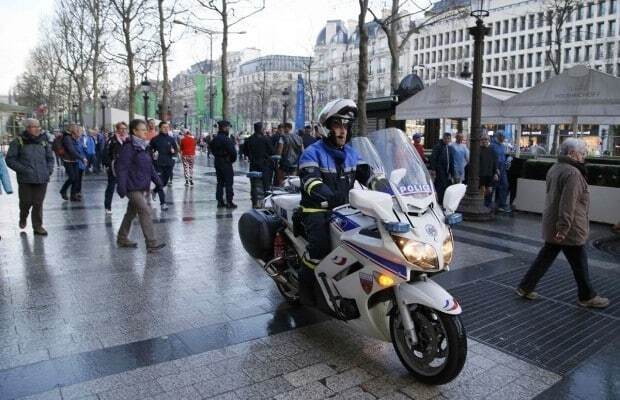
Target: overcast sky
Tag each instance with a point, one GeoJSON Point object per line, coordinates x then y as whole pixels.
{"type": "Point", "coordinates": [284, 27]}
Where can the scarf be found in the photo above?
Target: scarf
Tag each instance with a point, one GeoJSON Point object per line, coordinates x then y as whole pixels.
{"type": "Point", "coordinates": [140, 143]}
{"type": "Point", "coordinates": [338, 153]}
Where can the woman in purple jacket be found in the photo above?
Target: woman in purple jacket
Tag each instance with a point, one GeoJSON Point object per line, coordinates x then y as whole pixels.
{"type": "Point", "coordinates": [135, 171]}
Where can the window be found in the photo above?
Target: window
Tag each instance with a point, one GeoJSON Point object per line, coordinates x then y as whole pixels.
{"type": "Point", "coordinates": [588, 50]}
{"type": "Point", "coordinates": [589, 9]}
{"type": "Point", "coordinates": [611, 28]}
{"type": "Point", "coordinates": [489, 47]}
{"type": "Point", "coordinates": [447, 38]}
{"type": "Point", "coordinates": [440, 39]}
{"type": "Point", "coordinates": [434, 59]}
{"type": "Point", "coordinates": [467, 51]}
{"type": "Point", "coordinates": [497, 46]}
{"type": "Point", "coordinates": [530, 23]}
{"type": "Point", "coordinates": [496, 67]}
{"type": "Point", "coordinates": [495, 81]}
{"type": "Point", "coordinates": [522, 24]}
{"type": "Point", "coordinates": [511, 81]}
{"type": "Point", "coordinates": [548, 37]}
{"type": "Point", "coordinates": [547, 75]}
{"type": "Point", "coordinates": [415, 59]}
{"type": "Point", "coordinates": [579, 12]}
{"type": "Point", "coordinates": [567, 55]}
{"type": "Point", "coordinates": [577, 55]}
{"type": "Point", "coordinates": [440, 56]}
{"type": "Point", "coordinates": [568, 35]}
{"type": "Point", "coordinates": [505, 45]}
{"type": "Point", "coordinates": [538, 77]}
{"type": "Point", "coordinates": [488, 68]}
{"type": "Point", "coordinates": [460, 35]}
{"type": "Point", "coordinates": [589, 32]}
{"type": "Point", "coordinates": [599, 29]}
{"type": "Point", "coordinates": [498, 27]}
{"type": "Point", "coordinates": [530, 41]}
{"type": "Point", "coordinates": [488, 80]}
{"type": "Point", "coordinates": [599, 52]}
{"type": "Point", "coordinates": [529, 60]}
{"type": "Point", "coordinates": [514, 25]}
{"type": "Point", "coordinates": [612, 6]}
{"type": "Point", "coordinates": [541, 19]}
{"type": "Point", "coordinates": [521, 42]}
{"type": "Point", "coordinates": [513, 44]}
{"type": "Point", "coordinates": [503, 80]}
{"type": "Point", "coordinates": [538, 59]}
{"type": "Point", "coordinates": [460, 53]}
{"type": "Point", "coordinates": [601, 8]}
{"type": "Point", "coordinates": [609, 52]}
{"type": "Point", "coordinates": [578, 34]}
{"type": "Point", "coordinates": [453, 36]}
{"type": "Point", "coordinates": [521, 60]}
{"type": "Point", "coordinates": [415, 44]}
{"type": "Point", "coordinates": [549, 17]}
{"type": "Point", "coordinates": [520, 80]}
{"type": "Point", "coordinates": [434, 40]}
{"type": "Point", "coordinates": [539, 39]}
{"type": "Point", "coordinates": [528, 80]}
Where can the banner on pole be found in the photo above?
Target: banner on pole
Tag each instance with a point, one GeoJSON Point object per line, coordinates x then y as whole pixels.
{"type": "Point", "coordinates": [300, 104]}
{"type": "Point", "coordinates": [199, 101]}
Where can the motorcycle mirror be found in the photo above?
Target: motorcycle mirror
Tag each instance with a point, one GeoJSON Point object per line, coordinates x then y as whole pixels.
{"type": "Point", "coordinates": [452, 197]}
{"type": "Point", "coordinates": [397, 175]}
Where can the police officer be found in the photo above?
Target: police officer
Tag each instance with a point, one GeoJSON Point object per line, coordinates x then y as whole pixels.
{"type": "Point", "coordinates": [327, 169]}
{"type": "Point", "coordinates": [223, 150]}
{"type": "Point", "coordinates": [258, 149]}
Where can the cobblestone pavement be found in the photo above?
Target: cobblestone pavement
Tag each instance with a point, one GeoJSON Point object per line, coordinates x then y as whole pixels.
{"type": "Point", "coordinates": [82, 319]}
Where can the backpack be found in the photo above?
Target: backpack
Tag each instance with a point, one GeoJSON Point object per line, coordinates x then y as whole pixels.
{"type": "Point", "coordinates": [58, 147]}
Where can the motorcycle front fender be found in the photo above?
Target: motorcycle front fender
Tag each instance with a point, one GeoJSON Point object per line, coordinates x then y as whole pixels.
{"type": "Point", "coordinates": [429, 294]}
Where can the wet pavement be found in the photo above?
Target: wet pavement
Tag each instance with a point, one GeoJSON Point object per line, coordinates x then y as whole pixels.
{"type": "Point", "coordinates": [80, 318]}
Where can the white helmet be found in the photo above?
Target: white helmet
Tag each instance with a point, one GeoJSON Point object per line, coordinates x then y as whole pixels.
{"type": "Point", "coordinates": [340, 108]}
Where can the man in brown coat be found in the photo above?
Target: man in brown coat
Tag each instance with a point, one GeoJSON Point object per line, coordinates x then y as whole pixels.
{"type": "Point", "coordinates": [565, 225]}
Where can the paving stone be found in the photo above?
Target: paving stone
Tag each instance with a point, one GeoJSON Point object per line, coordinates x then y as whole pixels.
{"type": "Point", "coordinates": [396, 396]}
{"type": "Point", "coordinates": [355, 393]}
{"type": "Point", "coordinates": [512, 391]}
{"type": "Point", "coordinates": [225, 396]}
{"type": "Point", "coordinates": [312, 391]}
{"type": "Point", "coordinates": [138, 391]}
{"type": "Point", "coordinates": [264, 390]}
{"type": "Point", "coordinates": [185, 378]}
{"type": "Point", "coordinates": [270, 370]}
{"type": "Point", "coordinates": [24, 359]}
{"type": "Point", "coordinates": [309, 374]}
{"type": "Point", "coordinates": [223, 384]}
{"type": "Point", "coordinates": [387, 384]}
{"type": "Point", "coordinates": [185, 393]}
{"type": "Point", "coordinates": [49, 395]}
{"type": "Point", "coordinates": [419, 391]}
{"type": "Point", "coordinates": [56, 351]}
{"type": "Point", "coordinates": [347, 379]}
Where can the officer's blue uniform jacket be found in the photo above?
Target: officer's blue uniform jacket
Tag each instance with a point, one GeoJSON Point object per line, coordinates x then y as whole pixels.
{"type": "Point", "coordinates": [327, 174]}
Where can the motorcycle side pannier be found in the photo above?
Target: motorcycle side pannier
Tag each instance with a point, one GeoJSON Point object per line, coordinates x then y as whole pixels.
{"type": "Point", "coordinates": [257, 230]}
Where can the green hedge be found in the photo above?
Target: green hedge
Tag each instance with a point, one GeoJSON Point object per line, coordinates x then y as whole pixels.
{"type": "Point", "coordinates": [598, 174]}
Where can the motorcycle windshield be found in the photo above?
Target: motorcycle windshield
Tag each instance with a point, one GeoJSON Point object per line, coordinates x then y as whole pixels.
{"type": "Point", "coordinates": [389, 149]}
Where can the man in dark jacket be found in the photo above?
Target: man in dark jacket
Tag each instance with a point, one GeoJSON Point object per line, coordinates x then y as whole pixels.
{"type": "Point", "coordinates": [71, 157]}
{"type": "Point", "coordinates": [110, 156]}
{"type": "Point", "coordinates": [489, 170]}
{"type": "Point", "coordinates": [135, 172]}
{"type": "Point", "coordinates": [164, 148]}
{"type": "Point", "coordinates": [442, 165]}
{"type": "Point", "coordinates": [259, 150]}
{"type": "Point", "coordinates": [307, 137]}
{"type": "Point", "coordinates": [31, 157]}
{"type": "Point", "coordinates": [223, 150]}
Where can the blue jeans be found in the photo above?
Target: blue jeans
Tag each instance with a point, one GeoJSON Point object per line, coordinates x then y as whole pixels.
{"type": "Point", "coordinates": [501, 190]}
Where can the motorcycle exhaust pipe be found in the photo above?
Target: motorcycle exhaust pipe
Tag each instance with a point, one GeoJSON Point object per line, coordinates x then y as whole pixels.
{"type": "Point", "coordinates": [272, 271]}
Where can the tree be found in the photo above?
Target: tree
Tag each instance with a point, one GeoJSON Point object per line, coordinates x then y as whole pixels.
{"type": "Point", "coordinates": [166, 16]}
{"type": "Point", "coordinates": [399, 27]}
{"type": "Point", "coordinates": [95, 23]}
{"type": "Point", "coordinates": [228, 19]}
{"type": "Point", "coordinates": [362, 80]}
{"type": "Point", "coordinates": [557, 13]}
{"type": "Point", "coordinates": [131, 31]}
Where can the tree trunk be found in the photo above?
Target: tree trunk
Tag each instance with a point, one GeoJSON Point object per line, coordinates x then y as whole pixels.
{"type": "Point", "coordinates": [130, 67]}
{"type": "Point", "coordinates": [164, 60]}
{"type": "Point", "coordinates": [362, 81]}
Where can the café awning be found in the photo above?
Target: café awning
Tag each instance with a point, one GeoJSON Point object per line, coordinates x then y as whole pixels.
{"type": "Point", "coordinates": [451, 98]}
{"type": "Point", "coordinates": [577, 95]}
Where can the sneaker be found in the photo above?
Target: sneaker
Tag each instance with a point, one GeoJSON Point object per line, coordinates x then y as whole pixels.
{"type": "Point", "coordinates": [126, 244]}
{"type": "Point", "coordinates": [526, 295]}
{"type": "Point", "coordinates": [154, 248]}
{"type": "Point", "coordinates": [221, 204]}
{"type": "Point", "coordinates": [64, 196]}
{"type": "Point", "coordinates": [504, 209]}
{"type": "Point", "coordinates": [594, 302]}
{"type": "Point", "coordinates": [191, 182]}
{"type": "Point", "coordinates": [186, 182]}
{"type": "Point", "coordinates": [108, 211]}
{"type": "Point", "coordinates": [231, 205]}
{"type": "Point", "coordinates": [164, 207]}
{"type": "Point", "coordinates": [40, 232]}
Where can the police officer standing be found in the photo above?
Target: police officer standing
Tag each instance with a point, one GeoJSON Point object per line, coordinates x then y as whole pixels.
{"type": "Point", "coordinates": [258, 149]}
{"type": "Point", "coordinates": [223, 149]}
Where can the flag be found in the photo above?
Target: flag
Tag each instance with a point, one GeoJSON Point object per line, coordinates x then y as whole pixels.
{"type": "Point", "coordinates": [200, 105]}
{"type": "Point", "coordinates": [300, 104]}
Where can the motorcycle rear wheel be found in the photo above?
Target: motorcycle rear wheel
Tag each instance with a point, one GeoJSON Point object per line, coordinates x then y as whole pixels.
{"type": "Point", "coordinates": [439, 355]}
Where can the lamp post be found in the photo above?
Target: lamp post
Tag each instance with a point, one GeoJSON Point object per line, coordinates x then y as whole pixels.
{"type": "Point", "coordinates": [285, 94]}
{"type": "Point", "coordinates": [61, 111]}
{"type": "Point", "coordinates": [104, 104]}
{"type": "Point", "coordinates": [472, 206]}
{"type": "Point", "coordinates": [74, 106]}
{"type": "Point", "coordinates": [185, 108]}
{"type": "Point", "coordinates": [146, 87]}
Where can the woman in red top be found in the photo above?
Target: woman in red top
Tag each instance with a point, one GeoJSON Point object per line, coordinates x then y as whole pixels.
{"type": "Point", "coordinates": [188, 153]}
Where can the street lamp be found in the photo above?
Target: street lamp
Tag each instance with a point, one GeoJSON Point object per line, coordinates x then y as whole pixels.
{"type": "Point", "coordinates": [285, 94]}
{"type": "Point", "coordinates": [104, 104]}
{"type": "Point", "coordinates": [185, 108]}
{"type": "Point", "coordinates": [61, 111]}
{"type": "Point", "coordinates": [472, 206]}
{"type": "Point", "coordinates": [146, 87]}
{"type": "Point", "coordinates": [74, 106]}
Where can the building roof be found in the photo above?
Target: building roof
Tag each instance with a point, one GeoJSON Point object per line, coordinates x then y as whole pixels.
{"type": "Point", "coordinates": [341, 35]}
{"type": "Point", "coordinates": [275, 63]}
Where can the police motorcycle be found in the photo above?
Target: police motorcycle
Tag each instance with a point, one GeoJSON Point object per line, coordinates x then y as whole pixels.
{"type": "Point", "coordinates": [386, 245]}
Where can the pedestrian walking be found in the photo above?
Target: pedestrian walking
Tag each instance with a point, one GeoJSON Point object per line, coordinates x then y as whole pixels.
{"type": "Point", "coordinates": [307, 137]}
{"type": "Point", "coordinates": [565, 225]}
{"type": "Point", "coordinates": [30, 156]}
{"type": "Point", "coordinates": [100, 142]}
{"type": "Point", "coordinates": [90, 147]}
{"type": "Point", "coordinates": [135, 172]}
{"type": "Point", "coordinates": [110, 157]}
{"type": "Point", "coordinates": [461, 158]}
{"type": "Point", "coordinates": [489, 172]}
{"type": "Point", "coordinates": [290, 147]}
{"type": "Point", "coordinates": [72, 154]}
{"type": "Point", "coordinates": [417, 143]}
{"type": "Point", "coordinates": [442, 165]}
{"type": "Point", "coordinates": [5, 179]}
{"type": "Point", "coordinates": [164, 149]}
{"type": "Point", "coordinates": [223, 150]}
{"type": "Point", "coordinates": [57, 139]}
{"type": "Point", "coordinates": [188, 154]}
{"type": "Point", "coordinates": [501, 189]}
{"type": "Point", "coordinates": [259, 150]}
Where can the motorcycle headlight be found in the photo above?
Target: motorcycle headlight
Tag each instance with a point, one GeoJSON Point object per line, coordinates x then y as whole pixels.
{"type": "Point", "coordinates": [420, 254]}
{"type": "Point", "coordinates": [448, 250]}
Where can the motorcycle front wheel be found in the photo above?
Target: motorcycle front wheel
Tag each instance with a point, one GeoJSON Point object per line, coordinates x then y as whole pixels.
{"type": "Point", "coordinates": [440, 353]}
